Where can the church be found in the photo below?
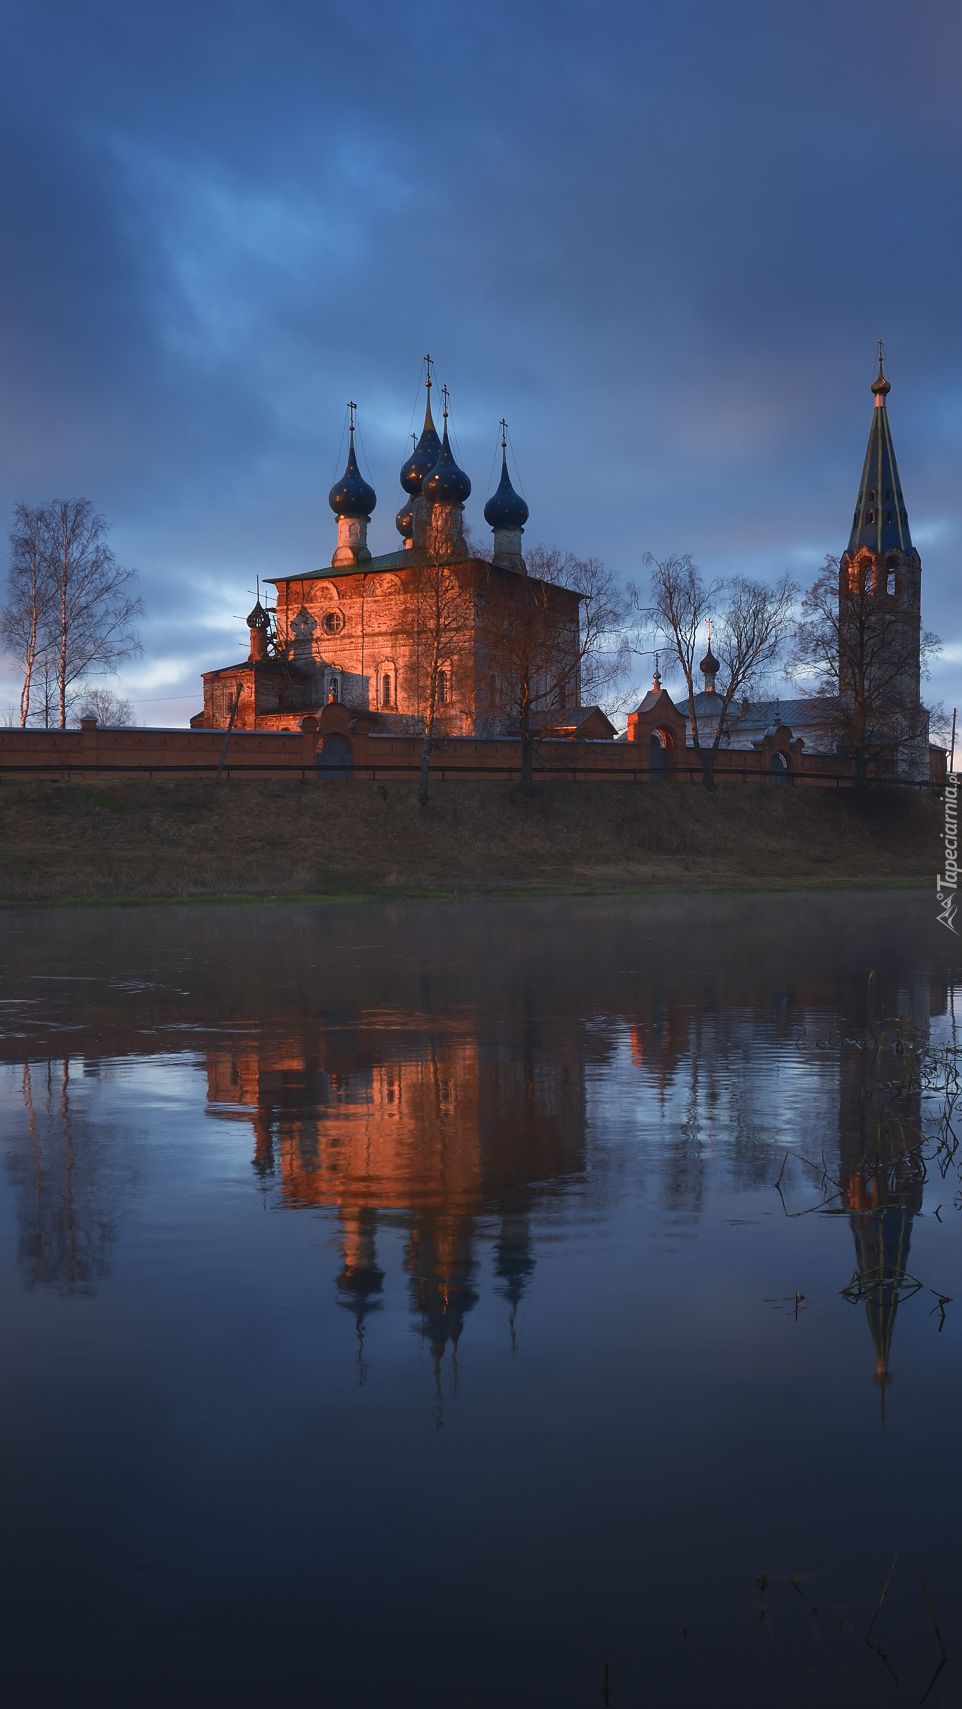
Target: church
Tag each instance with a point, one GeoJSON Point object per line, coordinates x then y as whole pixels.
{"type": "Point", "coordinates": [385, 637]}
{"type": "Point", "coordinates": [353, 635]}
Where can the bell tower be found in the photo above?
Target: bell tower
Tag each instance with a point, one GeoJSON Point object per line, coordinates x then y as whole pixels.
{"type": "Point", "coordinates": [881, 560]}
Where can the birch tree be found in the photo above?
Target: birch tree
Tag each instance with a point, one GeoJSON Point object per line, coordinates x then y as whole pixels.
{"type": "Point", "coordinates": [864, 653]}
{"type": "Point", "coordinates": [25, 618]}
{"type": "Point", "coordinates": [546, 638]}
{"type": "Point", "coordinates": [71, 608]}
{"type": "Point", "coordinates": [749, 619]}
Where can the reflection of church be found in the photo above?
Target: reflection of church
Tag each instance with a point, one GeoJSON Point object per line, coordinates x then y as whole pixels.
{"type": "Point", "coordinates": [444, 1136]}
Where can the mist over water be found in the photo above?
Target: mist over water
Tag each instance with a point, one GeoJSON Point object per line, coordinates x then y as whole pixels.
{"type": "Point", "coordinates": [430, 1304]}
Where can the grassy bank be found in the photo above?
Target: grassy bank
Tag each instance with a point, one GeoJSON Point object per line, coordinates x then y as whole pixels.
{"type": "Point", "coordinates": [69, 841]}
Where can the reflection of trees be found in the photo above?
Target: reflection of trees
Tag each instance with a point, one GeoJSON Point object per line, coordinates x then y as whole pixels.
{"type": "Point", "coordinates": [65, 1184]}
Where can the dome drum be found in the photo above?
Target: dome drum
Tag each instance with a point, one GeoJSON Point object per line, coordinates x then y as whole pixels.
{"type": "Point", "coordinates": [352, 500]}
{"type": "Point", "coordinates": [506, 514]}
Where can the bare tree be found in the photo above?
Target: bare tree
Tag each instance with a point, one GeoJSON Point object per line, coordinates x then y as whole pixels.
{"type": "Point", "coordinates": [862, 651]}
{"type": "Point", "coordinates": [545, 638]}
{"type": "Point", "coordinates": [750, 619]}
{"type": "Point", "coordinates": [439, 610]}
{"type": "Point", "coordinates": [92, 625]}
{"type": "Point", "coordinates": [71, 606]}
{"type": "Point", "coordinates": [24, 619]}
{"type": "Point", "coordinates": [106, 707]}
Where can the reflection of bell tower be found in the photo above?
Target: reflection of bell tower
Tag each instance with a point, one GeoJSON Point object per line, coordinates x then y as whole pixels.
{"type": "Point", "coordinates": [881, 1182]}
{"type": "Point", "coordinates": [881, 1276]}
{"type": "Point", "coordinates": [361, 1280]}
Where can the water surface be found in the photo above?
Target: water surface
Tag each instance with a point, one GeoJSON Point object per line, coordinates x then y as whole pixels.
{"type": "Point", "coordinates": [398, 1307]}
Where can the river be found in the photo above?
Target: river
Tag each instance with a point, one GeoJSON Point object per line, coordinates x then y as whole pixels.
{"type": "Point", "coordinates": [488, 1304]}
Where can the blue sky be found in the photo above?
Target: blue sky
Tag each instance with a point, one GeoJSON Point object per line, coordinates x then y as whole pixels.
{"type": "Point", "coordinates": [662, 239]}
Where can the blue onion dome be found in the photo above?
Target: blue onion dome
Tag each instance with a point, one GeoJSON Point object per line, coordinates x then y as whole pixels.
{"type": "Point", "coordinates": [423, 457]}
{"type": "Point", "coordinates": [404, 521]}
{"type": "Point", "coordinates": [446, 484]}
{"type": "Point", "coordinates": [505, 509]}
{"type": "Point", "coordinates": [352, 496]}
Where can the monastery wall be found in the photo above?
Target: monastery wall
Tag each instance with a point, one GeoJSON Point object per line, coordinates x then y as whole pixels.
{"type": "Point", "coordinates": [340, 738]}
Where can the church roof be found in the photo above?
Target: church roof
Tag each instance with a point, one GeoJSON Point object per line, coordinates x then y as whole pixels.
{"type": "Point", "coordinates": [762, 714]}
{"type": "Point", "coordinates": [881, 521]}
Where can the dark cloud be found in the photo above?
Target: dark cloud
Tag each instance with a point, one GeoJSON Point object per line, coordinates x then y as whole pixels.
{"type": "Point", "coordinates": [661, 238]}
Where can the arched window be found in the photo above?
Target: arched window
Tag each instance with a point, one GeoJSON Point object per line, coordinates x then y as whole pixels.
{"type": "Point", "coordinates": [890, 582]}
{"type": "Point", "coordinates": [386, 690]}
{"type": "Point", "coordinates": [334, 688]}
{"type": "Point", "coordinates": [779, 767]}
{"type": "Point", "coordinates": [658, 754]}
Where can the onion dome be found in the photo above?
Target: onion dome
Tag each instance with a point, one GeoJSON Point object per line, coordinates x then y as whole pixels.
{"type": "Point", "coordinates": [446, 484]}
{"type": "Point", "coordinates": [352, 496]}
{"type": "Point", "coordinates": [425, 454]}
{"type": "Point", "coordinates": [404, 521]}
{"type": "Point", "coordinates": [505, 509]}
{"type": "Point", "coordinates": [881, 387]}
{"type": "Point", "coordinates": [258, 618]}
{"type": "Point", "coordinates": [709, 665]}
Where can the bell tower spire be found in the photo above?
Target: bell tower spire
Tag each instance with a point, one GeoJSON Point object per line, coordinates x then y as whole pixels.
{"type": "Point", "coordinates": [881, 520]}
{"type": "Point", "coordinates": [881, 567]}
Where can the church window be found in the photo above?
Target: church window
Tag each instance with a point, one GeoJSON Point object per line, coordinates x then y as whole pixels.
{"type": "Point", "coordinates": [443, 687]}
{"type": "Point", "coordinates": [890, 582]}
{"type": "Point", "coordinates": [888, 495]}
{"type": "Point", "coordinates": [386, 691]}
{"type": "Point", "coordinates": [333, 622]}
{"type": "Point", "coordinates": [855, 523]}
{"type": "Point", "coordinates": [872, 495]}
{"type": "Point", "coordinates": [888, 516]}
{"type": "Point", "coordinates": [334, 688]}
{"type": "Point", "coordinates": [871, 516]}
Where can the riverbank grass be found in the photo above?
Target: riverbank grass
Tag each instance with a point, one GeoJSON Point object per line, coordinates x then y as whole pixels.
{"type": "Point", "coordinates": [151, 839]}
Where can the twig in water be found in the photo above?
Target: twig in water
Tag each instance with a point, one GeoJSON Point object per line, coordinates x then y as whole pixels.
{"type": "Point", "coordinates": [882, 1597]}
{"type": "Point", "coordinates": [935, 1624]}
{"type": "Point", "coordinates": [938, 1635]}
{"type": "Point", "coordinates": [942, 1301]}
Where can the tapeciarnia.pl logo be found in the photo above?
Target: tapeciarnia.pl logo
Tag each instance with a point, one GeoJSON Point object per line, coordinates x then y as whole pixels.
{"type": "Point", "coordinates": [947, 883]}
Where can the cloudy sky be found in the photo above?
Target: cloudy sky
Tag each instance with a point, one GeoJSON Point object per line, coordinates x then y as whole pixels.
{"type": "Point", "coordinates": [661, 238]}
